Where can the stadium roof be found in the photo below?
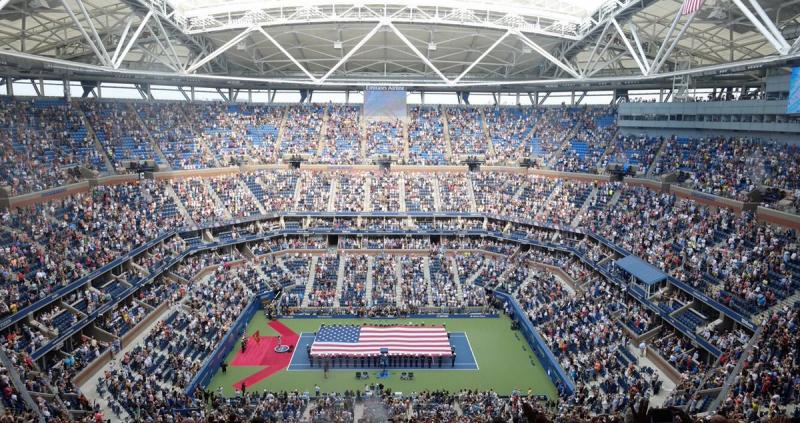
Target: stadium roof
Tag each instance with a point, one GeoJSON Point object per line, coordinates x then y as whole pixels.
{"type": "Point", "coordinates": [435, 44]}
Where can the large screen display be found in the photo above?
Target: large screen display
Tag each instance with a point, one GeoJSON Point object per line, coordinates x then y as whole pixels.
{"type": "Point", "coordinates": [385, 102]}
{"type": "Point", "coordinates": [793, 105]}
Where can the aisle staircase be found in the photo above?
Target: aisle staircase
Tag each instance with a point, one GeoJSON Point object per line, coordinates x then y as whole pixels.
{"type": "Point", "coordinates": [340, 279]}
{"type": "Point", "coordinates": [217, 201]}
{"type": "Point", "coordinates": [97, 145]}
{"type": "Point", "coordinates": [153, 143]}
{"type": "Point", "coordinates": [456, 281]}
{"type": "Point", "coordinates": [310, 282]}
{"type": "Point", "coordinates": [370, 271]}
{"type": "Point", "coordinates": [490, 152]}
{"type": "Point", "coordinates": [426, 271]}
{"type": "Point", "coordinates": [446, 135]}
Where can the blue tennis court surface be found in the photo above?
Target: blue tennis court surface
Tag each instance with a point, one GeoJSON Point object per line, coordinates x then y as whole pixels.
{"type": "Point", "coordinates": [465, 359]}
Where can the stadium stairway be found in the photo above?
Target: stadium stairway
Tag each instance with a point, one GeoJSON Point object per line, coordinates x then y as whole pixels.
{"type": "Point", "coordinates": [89, 387]}
{"type": "Point", "coordinates": [398, 272]}
{"type": "Point", "coordinates": [456, 281]}
{"type": "Point", "coordinates": [437, 198]}
{"type": "Point", "coordinates": [199, 139]}
{"type": "Point", "coordinates": [217, 201]}
{"type": "Point", "coordinates": [473, 205]}
{"type": "Point", "coordinates": [298, 192]}
{"type": "Point", "coordinates": [401, 193]}
{"type": "Point", "coordinates": [277, 147]}
{"type": "Point", "coordinates": [153, 144]}
{"type": "Point", "coordinates": [310, 281]}
{"type": "Point", "coordinates": [489, 144]}
{"type": "Point", "coordinates": [613, 200]}
{"type": "Point", "coordinates": [406, 144]}
{"type": "Point", "coordinates": [426, 272]}
{"type": "Point", "coordinates": [370, 271]}
{"type": "Point", "coordinates": [90, 133]}
{"type": "Point", "coordinates": [13, 375]}
{"type": "Point", "coordinates": [332, 195]}
{"type": "Point", "coordinates": [323, 133]}
{"type": "Point", "coordinates": [446, 134]}
{"type": "Point", "coordinates": [367, 204]}
{"type": "Point", "coordinates": [503, 277]}
{"type": "Point", "coordinates": [656, 158]}
{"type": "Point", "coordinates": [579, 216]}
{"type": "Point", "coordinates": [339, 280]}
{"type": "Point", "coordinates": [563, 145]}
{"type": "Point", "coordinates": [789, 302]}
{"type": "Point", "coordinates": [554, 193]}
{"type": "Point", "coordinates": [520, 190]}
{"type": "Point", "coordinates": [255, 200]}
{"type": "Point", "coordinates": [178, 203]}
{"type": "Point", "coordinates": [282, 265]}
{"type": "Point", "coordinates": [362, 152]}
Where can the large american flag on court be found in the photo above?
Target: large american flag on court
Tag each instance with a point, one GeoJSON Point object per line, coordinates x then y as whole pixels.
{"type": "Point", "coordinates": [691, 6]}
{"type": "Point", "coordinates": [369, 340]}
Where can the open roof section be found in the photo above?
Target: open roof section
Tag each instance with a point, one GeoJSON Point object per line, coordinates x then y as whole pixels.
{"type": "Point", "coordinates": [566, 11]}
{"type": "Point", "coordinates": [449, 45]}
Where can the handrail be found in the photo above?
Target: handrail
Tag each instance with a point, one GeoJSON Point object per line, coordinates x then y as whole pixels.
{"type": "Point", "coordinates": [19, 386]}
{"type": "Point", "coordinates": [72, 286]}
{"type": "Point", "coordinates": [726, 386]}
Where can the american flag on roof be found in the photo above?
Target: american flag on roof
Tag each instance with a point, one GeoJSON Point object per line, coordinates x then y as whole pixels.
{"type": "Point", "coordinates": [369, 340]}
{"type": "Point", "coordinates": [691, 6]}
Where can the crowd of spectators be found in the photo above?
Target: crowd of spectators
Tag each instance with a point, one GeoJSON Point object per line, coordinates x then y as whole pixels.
{"type": "Point", "coordinates": [342, 135]}
{"type": "Point", "coordinates": [465, 127]}
{"type": "Point", "coordinates": [302, 129]}
{"type": "Point", "coordinates": [385, 138]}
{"type": "Point", "coordinates": [426, 136]}
{"type": "Point", "coordinates": [745, 264]}
{"type": "Point", "coordinates": [49, 142]}
{"type": "Point", "coordinates": [42, 144]}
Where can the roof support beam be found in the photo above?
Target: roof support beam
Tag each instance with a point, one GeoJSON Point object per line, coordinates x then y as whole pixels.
{"type": "Point", "coordinates": [657, 65]}
{"type": "Point", "coordinates": [287, 54]}
{"type": "Point", "coordinates": [183, 92]}
{"type": "Point", "coordinates": [607, 63]}
{"type": "Point", "coordinates": [766, 28]}
{"type": "Point", "coordinates": [121, 41]}
{"type": "Point", "coordinates": [133, 39]}
{"type": "Point", "coordinates": [482, 56]}
{"type": "Point", "coordinates": [94, 30]}
{"type": "Point", "coordinates": [591, 67]}
{"type": "Point", "coordinates": [3, 4]}
{"type": "Point", "coordinates": [633, 53]}
{"type": "Point", "coordinates": [104, 59]}
{"type": "Point", "coordinates": [352, 51]}
{"type": "Point", "coordinates": [537, 48]}
{"type": "Point", "coordinates": [639, 46]}
{"type": "Point", "coordinates": [177, 58]}
{"type": "Point", "coordinates": [795, 46]}
{"type": "Point", "coordinates": [666, 40]}
{"type": "Point", "coordinates": [418, 53]}
{"type": "Point", "coordinates": [222, 49]}
{"type": "Point", "coordinates": [594, 49]}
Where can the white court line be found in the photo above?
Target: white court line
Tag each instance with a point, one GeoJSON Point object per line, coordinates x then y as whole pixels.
{"type": "Point", "coordinates": [471, 351]}
{"type": "Point", "coordinates": [293, 352]}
